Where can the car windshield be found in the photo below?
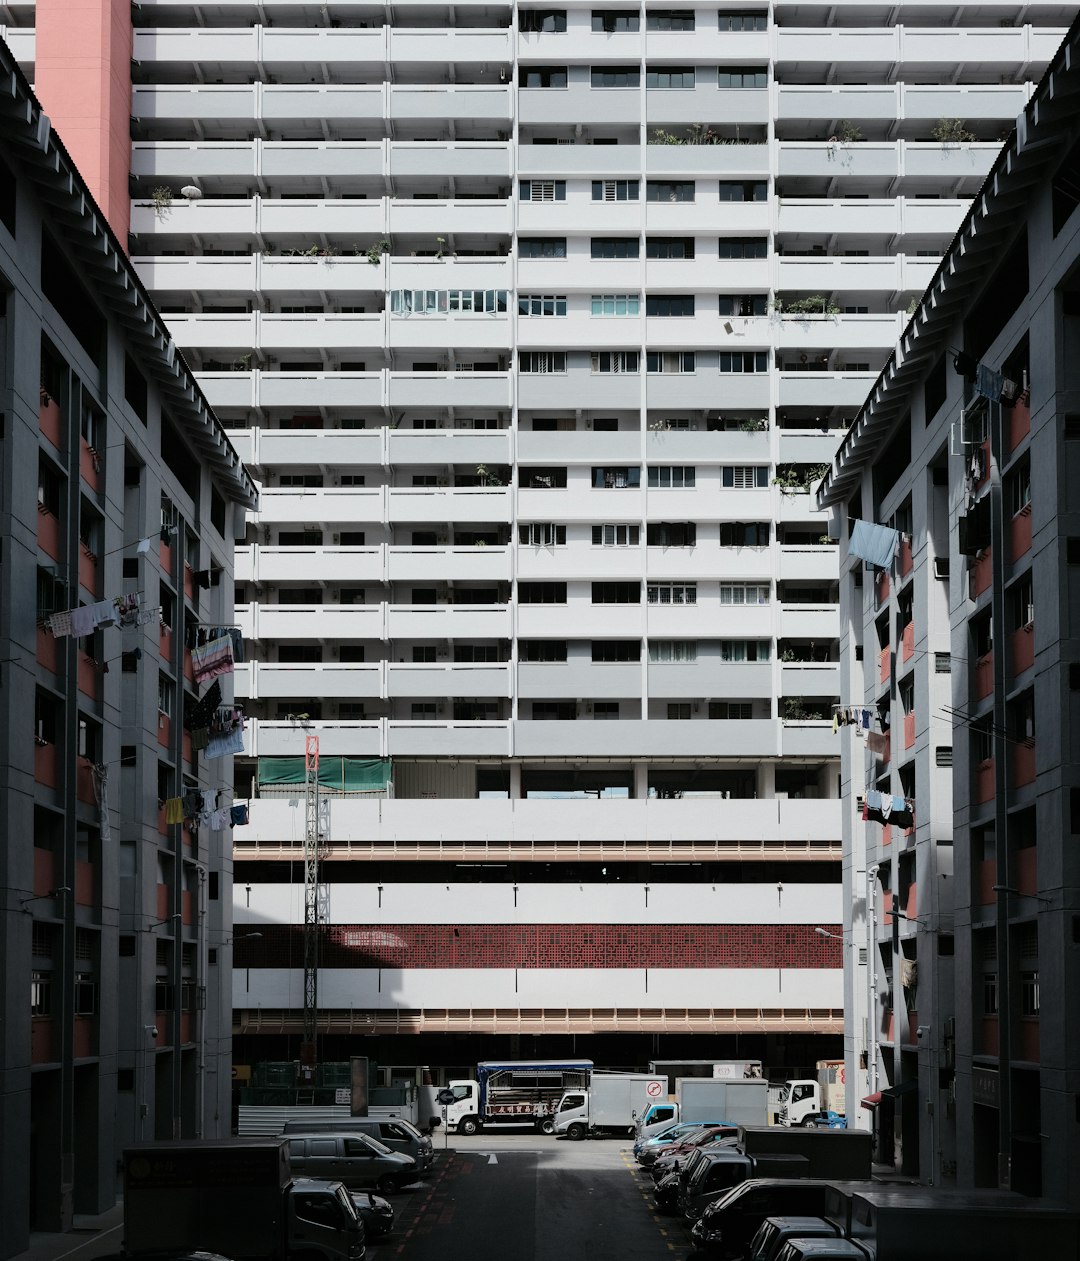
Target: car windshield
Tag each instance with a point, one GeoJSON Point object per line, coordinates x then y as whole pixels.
{"type": "Point", "coordinates": [408, 1127]}
{"type": "Point", "coordinates": [374, 1143]}
{"type": "Point", "coordinates": [345, 1200]}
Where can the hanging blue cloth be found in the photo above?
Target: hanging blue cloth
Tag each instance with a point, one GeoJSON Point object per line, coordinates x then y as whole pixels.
{"type": "Point", "coordinates": [876, 544]}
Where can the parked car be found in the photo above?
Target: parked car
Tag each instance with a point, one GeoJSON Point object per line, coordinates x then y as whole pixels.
{"type": "Point", "coordinates": [674, 1155]}
{"type": "Point", "coordinates": [652, 1150]}
{"type": "Point", "coordinates": [728, 1224]}
{"type": "Point", "coordinates": [774, 1232]}
{"type": "Point", "coordinates": [669, 1135]}
{"type": "Point", "coordinates": [376, 1213]}
{"type": "Point", "coordinates": [825, 1121]}
{"type": "Point", "coordinates": [357, 1160]}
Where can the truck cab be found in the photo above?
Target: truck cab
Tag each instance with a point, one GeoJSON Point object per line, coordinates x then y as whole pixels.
{"type": "Point", "coordinates": [323, 1222]}
{"type": "Point", "coordinates": [573, 1109]}
{"type": "Point", "coordinates": [463, 1114]}
{"type": "Point", "coordinates": [797, 1100]}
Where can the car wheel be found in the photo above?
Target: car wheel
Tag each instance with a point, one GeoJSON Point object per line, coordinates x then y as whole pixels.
{"type": "Point", "coordinates": [469, 1125]}
{"type": "Point", "coordinates": [387, 1183]}
{"type": "Point", "coordinates": [576, 1132]}
{"type": "Point", "coordinates": [547, 1125]}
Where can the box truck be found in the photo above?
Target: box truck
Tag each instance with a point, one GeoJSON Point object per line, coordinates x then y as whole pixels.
{"type": "Point", "coordinates": [802, 1095]}
{"type": "Point", "coordinates": [611, 1104]}
{"type": "Point", "coordinates": [736, 1101]}
{"type": "Point", "coordinates": [508, 1093]}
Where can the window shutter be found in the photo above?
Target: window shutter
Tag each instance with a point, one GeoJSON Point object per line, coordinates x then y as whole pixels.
{"type": "Point", "coordinates": [729, 475]}
{"type": "Point", "coordinates": [633, 476]}
{"type": "Point", "coordinates": [560, 190]}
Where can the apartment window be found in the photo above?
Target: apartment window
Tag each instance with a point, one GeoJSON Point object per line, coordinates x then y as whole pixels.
{"type": "Point", "coordinates": [615, 247]}
{"type": "Point", "coordinates": [352, 479]}
{"type": "Point", "coordinates": [744, 190]}
{"type": "Point", "coordinates": [669, 19]}
{"type": "Point", "coordinates": [744, 593]}
{"type": "Point", "coordinates": [669, 77]}
{"type": "Point", "coordinates": [990, 994]}
{"type": "Point", "coordinates": [743, 247]}
{"type": "Point", "coordinates": [743, 304]}
{"type": "Point", "coordinates": [423, 711]}
{"type": "Point", "coordinates": [740, 711]}
{"type": "Point", "coordinates": [541, 593]}
{"type": "Point", "coordinates": [615, 535]}
{"type": "Point", "coordinates": [669, 304]}
{"type": "Point", "coordinates": [673, 650]}
{"type": "Point", "coordinates": [671, 534]}
{"type": "Point", "coordinates": [541, 534]}
{"type": "Point", "coordinates": [40, 994]}
{"type": "Point", "coordinates": [539, 361]}
{"type": "Point", "coordinates": [741, 650]}
{"type": "Point", "coordinates": [542, 190]}
{"type": "Point", "coordinates": [669, 247]}
{"type": "Point", "coordinates": [605, 711]}
{"type": "Point", "coordinates": [744, 534]}
{"type": "Point", "coordinates": [671, 360]}
{"type": "Point", "coordinates": [672, 476]}
{"type": "Point", "coordinates": [1018, 489]}
{"type": "Point", "coordinates": [475, 653]}
{"type": "Point", "coordinates": [85, 996]}
{"type": "Point", "coordinates": [616, 77]}
{"type": "Point", "coordinates": [166, 696]}
{"type": "Point", "coordinates": [744, 361]}
{"type": "Point", "coordinates": [670, 190]}
{"type": "Point", "coordinates": [616, 304]}
{"type": "Point", "coordinates": [616, 650]}
{"type": "Point", "coordinates": [541, 304]}
{"type": "Point", "coordinates": [542, 649]}
{"type": "Point", "coordinates": [740, 20]}
{"type": "Point", "coordinates": [542, 246]}
{"type": "Point", "coordinates": [1029, 993]}
{"type": "Point", "coordinates": [543, 76]}
{"type": "Point", "coordinates": [745, 476]}
{"type": "Point", "coordinates": [615, 21]}
{"type": "Point", "coordinates": [742, 77]}
{"type": "Point", "coordinates": [616, 593]}
{"type": "Point", "coordinates": [605, 424]}
{"type": "Point", "coordinates": [604, 361]}
{"type": "Point", "coordinates": [620, 477]}
{"type": "Point", "coordinates": [679, 711]}
{"type": "Point", "coordinates": [533, 21]}
{"type": "Point", "coordinates": [542, 478]}
{"type": "Point", "coordinates": [554, 711]}
{"type": "Point", "coordinates": [672, 593]}
{"type": "Point", "coordinates": [1021, 604]}
{"type": "Point", "coordinates": [615, 190]}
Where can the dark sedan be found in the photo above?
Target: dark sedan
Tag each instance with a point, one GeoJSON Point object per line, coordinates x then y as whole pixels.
{"type": "Point", "coordinates": [376, 1213]}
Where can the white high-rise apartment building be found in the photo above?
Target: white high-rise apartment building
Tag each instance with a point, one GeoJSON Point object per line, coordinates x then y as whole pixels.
{"type": "Point", "coordinates": [535, 325]}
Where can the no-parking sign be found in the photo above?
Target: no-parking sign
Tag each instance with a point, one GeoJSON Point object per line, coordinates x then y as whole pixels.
{"type": "Point", "coordinates": [654, 1089]}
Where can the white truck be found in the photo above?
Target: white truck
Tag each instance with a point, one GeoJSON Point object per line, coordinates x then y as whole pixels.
{"type": "Point", "coordinates": [611, 1105]}
{"type": "Point", "coordinates": [801, 1096]}
{"type": "Point", "coordinates": [510, 1093]}
{"type": "Point", "coordinates": [737, 1101]}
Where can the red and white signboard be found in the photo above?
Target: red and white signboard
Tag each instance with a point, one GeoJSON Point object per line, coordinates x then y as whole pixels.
{"type": "Point", "coordinates": [654, 1089]}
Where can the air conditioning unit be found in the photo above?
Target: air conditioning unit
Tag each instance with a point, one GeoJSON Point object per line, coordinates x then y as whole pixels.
{"type": "Point", "coordinates": [941, 567]}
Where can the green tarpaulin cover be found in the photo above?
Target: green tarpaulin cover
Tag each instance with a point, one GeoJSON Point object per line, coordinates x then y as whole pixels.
{"type": "Point", "coordinates": [349, 774]}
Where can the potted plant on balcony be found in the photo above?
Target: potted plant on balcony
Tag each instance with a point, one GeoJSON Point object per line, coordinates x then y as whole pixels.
{"type": "Point", "coordinates": [374, 252]}
{"type": "Point", "coordinates": [951, 131]}
{"type": "Point", "coordinates": [161, 201]}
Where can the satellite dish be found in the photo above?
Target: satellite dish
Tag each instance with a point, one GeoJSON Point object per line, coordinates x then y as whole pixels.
{"type": "Point", "coordinates": [191, 192]}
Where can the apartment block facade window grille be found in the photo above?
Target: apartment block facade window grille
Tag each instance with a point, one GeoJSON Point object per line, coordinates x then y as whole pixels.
{"type": "Point", "coordinates": [745, 304]}
{"type": "Point", "coordinates": [679, 711]}
{"type": "Point", "coordinates": [671, 361]}
{"type": "Point", "coordinates": [615, 535]}
{"type": "Point", "coordinates": [676, 650]}
{"type": "Point", "coordinates": [616, 593]}
{"type": "Point", "coordinates": [542, 247]}
{"type": "Point", "coordinates": [747, 20]}
{"type": "Point", "coordinates": [615, 77]}
{"type": "Point", "coordinates": [542, 361]}
{"type": "Point", "coordinates": [669, 247]}
{"type": "Point", "coordinates": [542, 190]}
{"type": "Point", "coordinates": [615, 361]}
{"type": "Point", "coordinates": [541, 304]}
{"type": "Point", "coordinates": [744, 593]}
{"type": "Point", "coordinates": [542, 649]}
{"type": "Point", "coordinates": [614, 247]}
{"type": "Point", "coordinates": [673, 77]}
{"type": "Point", "coordinates": [669, 305]}
{"type": "Point", "coordinates": [669, 19]}
{"type": "Point", "coordinates": [744, 190]}
{"type": "Point", "coordinates": [744, 361]}
{"type": "Point", "coordinates": [672, 593]}
{"type": "Point", "coordinates": [615, 21]}
{"type": "Point", "coordinates": [543, 76]}
{"type": "Point", "coordinates": [739, 711]}
{"type": "Point", "coordinates": [743, 247]}
{"type": "Point", "coordinates": [619, 477]}
{"type": "Point", "coordinates": [539, 534]}
{"type": "Point", "coordinates": [744, 476]}
{"type": "Point", "coordinates": [742, 77]}
{"type": "Point", "coordinates": [670, 190]}
{"type": "Point", "coordinates": [615, 190]}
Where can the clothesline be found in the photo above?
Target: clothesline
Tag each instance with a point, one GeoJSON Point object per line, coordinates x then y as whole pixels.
{"type": "Point", "coordinates": [200, 806]}
{"type": "Point", "coordinates": [122, 610]}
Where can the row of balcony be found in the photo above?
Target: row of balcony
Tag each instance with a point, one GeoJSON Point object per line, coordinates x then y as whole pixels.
{"type": "Point", "coordinates": [492, 390]}
{"type": "Point", "coordinates": [382, 564]}
{"type": "Point", "coordinates": [494, 505]}
{"type": "Point", "coordinates": [383, 446]}
{"type": "Point", "coordinates": [339, 333]}
{"type": "Point", "coordinates": [399, 159]}
{"type": "Point", "coordinates": [888, 46]}
{"type": "Point", "coordinates": [695, 737]}
{"type": "Point", "coordinates": [277, 103]}
{"type": "Point", "coordinates": [705, 620]}
{"type": "Point", "coordinates": [389, 680]}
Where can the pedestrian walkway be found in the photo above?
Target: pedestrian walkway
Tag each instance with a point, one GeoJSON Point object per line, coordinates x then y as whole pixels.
{"type": "Point", "coordinates": [89, 1237]}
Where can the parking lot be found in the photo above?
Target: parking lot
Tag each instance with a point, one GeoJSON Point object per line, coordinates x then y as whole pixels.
{"type": "Point", "coordinates": [525, 1197]}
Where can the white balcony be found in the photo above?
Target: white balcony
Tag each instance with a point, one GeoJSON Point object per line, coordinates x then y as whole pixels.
{"type": "Point", "coordinates": [207, 276]}
{"type": "Point", "coordinates": [572, 390]}
{"type": "Point", "coordinates": [438, 505]}
{"type": "Point", "coordinates": [940, 161]}
{"type": "Point", "coordinates": [311, 621]}
{"type": "Point", "coordinates": [727, 446]}
{"type": "Point", "coordinates": [579, 102]}
{"type": "Point", "coordinates": [269, 680]}
{"type": "Point", "coordinates": [330, 564]}
{"type": "Point", "coordinates": [320, 389]}
{"type": "Point", "coordinates": [710, 677]}
{"type": "Point", "coordinates": [444, 101]}
{"type": "Point", "coordinates": [183, 160]}
{"type": "Point", "coordinates": [844, 332]}
{"type": "Point", "coordinates": [723, 160]}
{"type": "Point", "coordinates": [212, 217]}
{"type": "Point", "coordinates": [587, 621]}
{"type": "Point", "coordinates": [450, 273]}
{"type": "Point", "coordinates": [539, 821]}
{"type": "Point", "coordinates": [280, 159]}
{"type": "Point", "coordinates": [579, 447]}
{"type": "Point", "coordinates": [449, 446]}
{"type": "Point", "coordinates": [441, 332]}
{"type": "Point", "coordinates": [265, 738]}
{"type": "Point", "coordinates": [228, 389]}
{"type": "Point", "coordinates": [895, 274]}
{"type": "Point", "coordinates": [328, 448]}
{"type": "Point", "coordinates": [448, 564]}
{"type": "Point", "coordinates": [196, 44]}
{"type": "Point", "coordinates": [885, 159]}
{"type": "Point", "coordinates": [708, 271]}
{"type": "Point", "coordinates": [577, 217]}
{"type": "Point", "coordinates": [590, 161]}
{"type": "Point", "coordinates": [315, 276]}
{"type": "Point", "coordinates": [310, 217]}
{"type": "Point", "coordinates": [577, 560]}
{"type": "Point", "coordinates": [808, 739]}
{"type": "Point", "coordinates": [22, 40]}
{"type": "Point", "coordinates": [463, 158]}
{"type": "Point", "coordinates": [580, 678]}
{"type": "Point", "coordinates": [707, 216]}
{"type": "Point", "coordinates": [189, 101]}
{"type": "Point", "coordinates": [448, 621]}
{"type": "Point", "coordinates": [808, 446]}
{"type": "Point", "coordinates": [449, 389]}
{"type": "Point", "coordinates": [347, 505]}
{"type": "Point", "coordinates": [457, 680]}
{"type": "Point", "coordinates": [809, 621]}
{"type": "Point", "coordinates": [648, 738]}
{"type": "Point", "coordinates": [744, 48]}
{"type": "Point", "coordinates": [665, 108]}
{"type": "Point", "coordinates": [441, 218]}
{"type": "Point", "coordinates": [709, 389]}
{"type": "Point", "coordinates": [351, 102]}
{"type": "Point", "coordinates": [810, 679]}
{"type": "Point", "coordinates": [224, 332]}
{"type": "Point", "coordinates": [821, 564]}
{"type": "Point", "coordinates": [825, 389]}
{"type": "Point", "coordinates": [448, 739]}
{"type": "Point", "coordinates": [456, 45]}
{"type": "Point", "coordinates": [707, 561]}
{"type": "Point", "coordinates": [710, 619]}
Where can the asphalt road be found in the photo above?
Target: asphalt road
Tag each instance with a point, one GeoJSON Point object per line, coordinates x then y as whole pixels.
{"type": "Point", "coordinates": [530, 1198]}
